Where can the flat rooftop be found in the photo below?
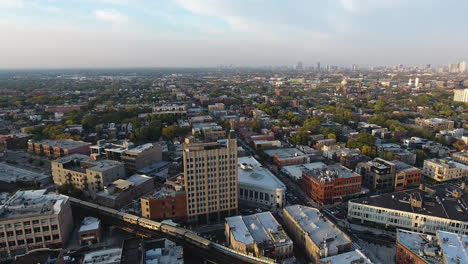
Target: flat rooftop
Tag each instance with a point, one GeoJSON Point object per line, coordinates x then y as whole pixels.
{"type": "Point", "coordinates": [105, 256]}
{"type": "Point", "coordinates": [284, 153]}
{"type": "Point", "coordinates": [400, 166]}
{"type": "Point", "coordinates": [355, 256]}
{"type": "Point", "coordinates": [32, 203]}
{"type": "Point", "coordinates": [62, 143]}
{"type": "Point", "coordinates": [12, 174]}
{"type": "Point", "coordinates": [295, 171]}
{"type": "Point", "coordinates": [79, 162]}
{"type": "Point", "coordinates": [251, 172]}
{"type": "Point", "coordinates": [318, 227]}
{"type": "Point", "coordinates": [261, 228]}
{"type": "Point", "coordinates": [89, 223]}
{"type": "Point", "coordinates": [141, 148]}
{"type": "Point", "coordinates": [437, 203]}
{"type": "Point", "coordinates": [331, 172]}
{"type": "Point", "coordinates": [419, 244]}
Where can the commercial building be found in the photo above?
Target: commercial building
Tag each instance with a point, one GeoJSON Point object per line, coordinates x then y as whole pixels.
{"type": "Point", "coordinates": [435, 124]}
{"type": "Point", "coordinates": [314, 233]}
{"type": "Point", "coordinates": [259, 234]}
{"type": "Point", "coordinates": [352, 257]}
{"type": "Point", "coordinates": [378, 175]}
{"type": "Point", "coordinates": [211, 180]}
{"type": "Point", "coordinates": [331, 184]}
{"type": "Point", "coordinates": [90, 231]}
{"type": "Point", "coordinates": [85, 174]}
{"type": "Point", "coordinates": [258, 186]}
{"type": "Point", "coordinates": [406, 176]}
{"type": "Point", "coordinates": [122, 191]}
{"type": "Point", "coordinates": [460, 95]}
{"type": "Point", "coordinates": [426, 210]}
{"type": "Point", "coordinates": [287, 156]}
{"type": "Point", "coordinates": [167, 202]}
{"type": "Point", "coordinates": [442, 170]}
{"type": "Point", "coordinates": [58, 148]}
{"type": "Point", "coordinates": [209, 131]}
{"type": "Point", "coordinates": [10, 174]}
{"type": "Point", "coordinates": [444, 247]}
{"type": "Point", "coordinates": [34, 219]}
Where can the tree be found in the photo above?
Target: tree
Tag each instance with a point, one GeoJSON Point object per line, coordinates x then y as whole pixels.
{"type": "Point", "coordinates": [420, 157]}
{"type": "Point", "coordinates": [361, 140]}
{"type": "Point", "coordinates": [368, 151]}
{"type": "Point", "coordinates": [312, 124]}
{"type": "Point", "coordinates": [331, 136]}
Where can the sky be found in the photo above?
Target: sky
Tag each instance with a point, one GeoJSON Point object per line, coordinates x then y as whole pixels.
{"type": "Point", "coordinates": [207, 33]}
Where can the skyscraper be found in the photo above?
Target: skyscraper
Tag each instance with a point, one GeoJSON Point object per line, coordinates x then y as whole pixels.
{"type": "Point", "coordinates": [462, 67]}
{"type": "Point", "coordinates": [211, 179]}
{"type": "Point", "coordinates": [318, 66]}
{"type": "Point", "coordinates": [299, 66]}
{"type": "Point", "coordinates": [354, 68]}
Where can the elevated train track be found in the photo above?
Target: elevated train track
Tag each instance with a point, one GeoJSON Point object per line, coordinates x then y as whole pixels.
{"type": "Point", "coordinates": [209, 250]}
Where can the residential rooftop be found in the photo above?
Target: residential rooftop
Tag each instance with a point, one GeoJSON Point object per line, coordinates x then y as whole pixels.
{"type": "Point", "coordinates": [81, 163]}
{"type": "Point", "coordinates": [295, 171]}
{"type": "Point", "coordinates": [61, 143]}
{"type": "Point", "coordinates": [140, 149]}
{"type": "Point", "coordinates": [331, 172]}
{"type": "Point", "coordinates": [285, 153]}
{"type": "Point", "coordinates": [89, 223]}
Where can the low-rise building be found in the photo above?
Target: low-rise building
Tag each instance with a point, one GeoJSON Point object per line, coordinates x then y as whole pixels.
{"type": "Point", "coordinates": [352, 257]}
{"type": "Point", "coordinates": [122, 191]}
{"type": "Point", "coordinates": [86, 174]}
{"type": "Point", "coordinates": [90, 231]}
{"type": "Point", "coordinates": [314, 233]}
{"type": "Point", "coordinates": [258, 186]}
{"type": "Point", "coordinates": [331, 184]}
{"type": "Point", "coordinates": [104, 256]}
{"type": "Point", "coordinates": [34, 219]}
{"type": "Point", "coordinates": [259, 234]}
{"type": "Point", "coordinates": [442, 170]}
{"type": "Point", "coordinates": [287, 156]}
{"type": "Point", "coordinates": [426, 210]}
{"type": "Point", "coordinates": [58, 148]}
{"type": "Point", "coordinates": [406, 176]}
{"type": "Point", "coordinates": [167, 202]}
{"type": "Point", "coordinates": [295, 171]}
{"type": "Point", "coordinates": [435, 124]}
{"type": "Point", "coordinates": [444, 247]}
{"type": "Point", "coordinates": [11, 174]}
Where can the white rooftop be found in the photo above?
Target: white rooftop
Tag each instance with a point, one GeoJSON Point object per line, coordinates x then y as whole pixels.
{"type": "Point", "coordinates": [251, 172]}
{"type": "Point", "coordinates": [295, 171]}
{"type": "Point", "coordinates": [355, 256]}
{"type": "Point", "coordinates": [170, 254]}
{"type": "Point", "coordinates": [454, 247]}
{"type": "Point", "coordinates": [31, 203]}
{"type": "Point", "coordinates": [12, 174]}
{"type": "Point", "coordinates": [141, 148]}
{"type": "Point", "coordinates": [89, 223]}
{"type": "Point", "coordinates": [239, 230]}
{"type": "Point", "coordinates": [106, 256]}
{"type": "Point", "coordinates": [319, 228]}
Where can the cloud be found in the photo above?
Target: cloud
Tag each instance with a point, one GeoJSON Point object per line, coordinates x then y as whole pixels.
{"type": "Point", "coordinates": [111, 16]}
{"type": "Point", "coordinates": [360, 6]}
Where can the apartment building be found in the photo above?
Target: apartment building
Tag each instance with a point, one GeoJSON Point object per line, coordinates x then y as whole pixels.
{"type": "Point", "coordinates": [331, 184]}
{"type": "Point", "coordinates": [34, 219]}
{"type": "Point", "coordinates": [58, 148]}
{"type": "Point", "coordinates": [211, 180]}
{"type": "Point", "coordinates": [139, 157]}
{"type": "Point", "coordinates": [287, 156]}
{"type": "Point", "coordinates": [378, 175]}
{"type": "Point", "coordinates": [406, 176]}
{"type": "Point", "coordinates": [86, 174]}
{"type": "Point", "coordinates": [122, 191]}
{"type": "Point", "coordinates": [461, 157]}
{"type": "Point", "coordinates": [314, 233]}
{"type": "Point", "coordinates": [259, 234]}
{"type": "Point", "coordinates": [258, 186]}
{"type": "Point", "coordinates": [460, 95]}
{"type": "Point", "coordinates": [426, 210]}
{"type": "Point", "coordinates": [442, 170]}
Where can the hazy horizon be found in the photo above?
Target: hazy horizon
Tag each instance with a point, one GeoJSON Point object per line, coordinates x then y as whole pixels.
{"type": "Point", "coordinates": [76, 34]}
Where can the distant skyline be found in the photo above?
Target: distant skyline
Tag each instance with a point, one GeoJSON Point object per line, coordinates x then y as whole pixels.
{"type": "Point", "coordinates": [208, 33]}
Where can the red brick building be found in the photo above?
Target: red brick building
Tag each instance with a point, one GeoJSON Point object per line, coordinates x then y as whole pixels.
{"type": "Point", "coordinates": [331, 184]}
{"type": "Point", "coordinates": [169, 202]}
{"type": "Point", "coordinates": [58, 148]}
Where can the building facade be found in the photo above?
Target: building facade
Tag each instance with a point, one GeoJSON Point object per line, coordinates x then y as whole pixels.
{"type": "Point", "coordinates": [34, 219]}
{"type": "Point", "coordinates": [378, 175]}
{"type": "Point", "coordinates": [406, 176]}
{"type": "Point", "coordinates": [331, 184]}
{"type": "Point", "coordinates": [58, 148]}
{"type": "Point", "coordinates": [211, 180]}
{"type": "Point", "coordinates": [85, 174]}
{"type": "Point", "coordinates": [442, 170]}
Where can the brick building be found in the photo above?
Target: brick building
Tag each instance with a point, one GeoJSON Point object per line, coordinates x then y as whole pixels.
{"type": "Point", "coordinates": [58, 148]}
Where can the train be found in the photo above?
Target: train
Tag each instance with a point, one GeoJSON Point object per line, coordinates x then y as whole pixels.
{"type": "Point", "coordinates": [174, 231]}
